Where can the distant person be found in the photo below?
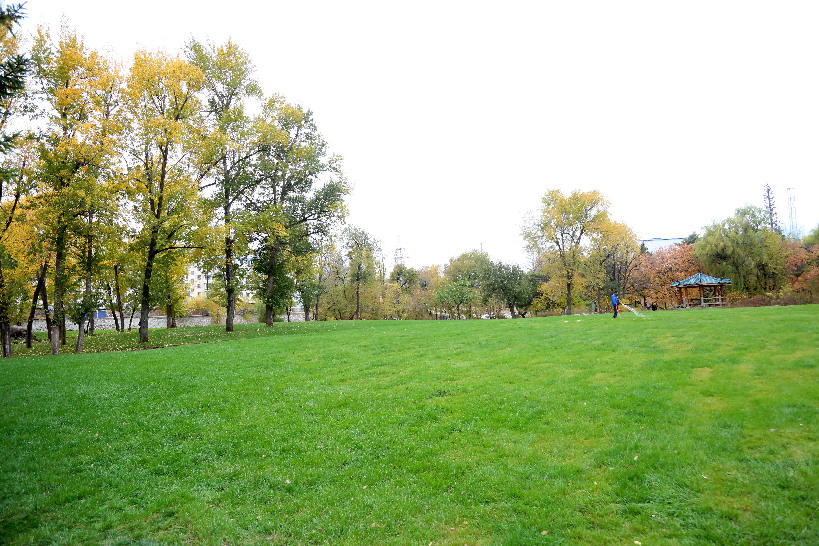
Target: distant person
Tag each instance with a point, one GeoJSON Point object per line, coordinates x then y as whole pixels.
{"type": "Point", "coordinates": [615, 302]}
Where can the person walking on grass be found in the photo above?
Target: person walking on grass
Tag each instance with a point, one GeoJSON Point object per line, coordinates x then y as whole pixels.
{"type": "Point", "coordinates": [615, 302]}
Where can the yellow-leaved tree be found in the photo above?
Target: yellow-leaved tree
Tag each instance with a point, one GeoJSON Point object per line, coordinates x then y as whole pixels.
{"type": "Point", "coordinates": [77, 93]}
{"type": "Point", "coordinates": [235, 142]}
{"type": "Point", "coordinates": [165, 128]}
{"type": "Point", "coordinates": [13, 185]}
{"type": "Point", "coordinates": [611, 261]}
{"type": "Point", "coordinates": [561, 234]}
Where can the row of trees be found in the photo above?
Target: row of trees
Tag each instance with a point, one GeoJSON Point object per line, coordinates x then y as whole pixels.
{"type": "Point", "coordinates": [350, 281]}
{"type": "Point", "coordinates": [115, 181]}
{"type": "Point", "coordinates": [581, 256]}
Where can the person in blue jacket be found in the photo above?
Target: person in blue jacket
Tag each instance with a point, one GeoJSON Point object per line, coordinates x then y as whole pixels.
{"type": "Point", "coordinates": [615, 302]}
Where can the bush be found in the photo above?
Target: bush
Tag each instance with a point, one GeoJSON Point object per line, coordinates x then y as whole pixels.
{"type": "Point", "coordinates": [783, 297]}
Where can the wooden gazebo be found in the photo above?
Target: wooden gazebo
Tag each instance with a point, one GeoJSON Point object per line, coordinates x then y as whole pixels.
{"type": "Point", "coordinates": [711, 290]}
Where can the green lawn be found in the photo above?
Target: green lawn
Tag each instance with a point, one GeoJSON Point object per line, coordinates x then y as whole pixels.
{"type": "Point", "coordinates": [682, 427]}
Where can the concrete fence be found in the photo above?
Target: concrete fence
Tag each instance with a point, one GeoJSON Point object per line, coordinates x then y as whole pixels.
{"type": "Point", "coordinates": [107, 323]}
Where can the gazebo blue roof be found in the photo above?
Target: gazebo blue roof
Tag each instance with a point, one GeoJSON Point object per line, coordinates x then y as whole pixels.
{"type": "Point", "coordinates": [700, 279]}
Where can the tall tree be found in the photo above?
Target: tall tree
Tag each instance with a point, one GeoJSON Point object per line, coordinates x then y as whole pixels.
{"type": "Point", "coordinates": [165, 129]}
{"type": "Point", "coordinates": [770, 209]}
{"type": "Point", "coordinates": [610, 262]}
{"type": "Point", "coordinates": [14, 184]}
{"type": "Point", "coordinates": [300, 197]}
{"type": "Point", "coordinates": [361, 249]}
{"type": "Point", "coordinates": [468, 272]}
{"type": "Point", "coordinates": [236, 142]}
{"type": "Point", "coordinates": [511, 285]}
{"type": "Point", "coordinates": [563, 228]}
{"type": "Point", "coordinates": [75, 90]}
{"type": "Point", "coordinates": [14, 67]}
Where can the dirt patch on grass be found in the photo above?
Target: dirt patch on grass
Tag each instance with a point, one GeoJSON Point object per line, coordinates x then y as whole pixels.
{"type": "Point", "coordinates": [701, 374]}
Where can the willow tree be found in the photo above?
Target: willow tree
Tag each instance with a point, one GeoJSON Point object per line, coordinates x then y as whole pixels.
{"type": "Point", "coordinates": [745, 249]}
{"type": "Point", "coordinates": [560, 234]}
{"type": "Point", "coordinates": [165, 129]}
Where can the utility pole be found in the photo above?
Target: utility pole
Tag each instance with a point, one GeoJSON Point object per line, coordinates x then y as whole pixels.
{"type": "Point", "coordinates": [793, 227]}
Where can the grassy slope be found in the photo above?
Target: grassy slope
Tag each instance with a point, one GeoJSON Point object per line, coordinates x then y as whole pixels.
{"type": "Point", "coordinates": [684, 427]}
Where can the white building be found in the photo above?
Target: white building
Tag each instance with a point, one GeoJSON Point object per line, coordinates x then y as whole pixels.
{"type": "Point", "coordinates": [653, 245]}
{"type": "Point", "coordinates": [198, 282]}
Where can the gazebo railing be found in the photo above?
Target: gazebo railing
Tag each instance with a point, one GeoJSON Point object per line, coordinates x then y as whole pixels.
{"type": "Point", "coordinates": [696, 301]}
{"type": "Point", "coordinates": [715, 301]}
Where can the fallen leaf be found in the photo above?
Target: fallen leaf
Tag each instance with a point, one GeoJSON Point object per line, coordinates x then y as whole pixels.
{"type": "Point", "coordinates": [544, 532]}
{"type": "Point", "coordinates": [635, 457]}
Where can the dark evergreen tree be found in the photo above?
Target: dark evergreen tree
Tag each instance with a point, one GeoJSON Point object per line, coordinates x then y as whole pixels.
{"type": "Point", "coordinates": [770, 209]}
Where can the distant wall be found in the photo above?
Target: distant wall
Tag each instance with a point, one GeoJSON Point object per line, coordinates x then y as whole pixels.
{"type": "Point", "coordinates": [107, 323]}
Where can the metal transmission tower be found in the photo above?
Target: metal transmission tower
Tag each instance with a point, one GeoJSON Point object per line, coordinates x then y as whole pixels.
{"type": "Point", "coordinates": [793, 227]}
{"type": "Point", "coordinates": [399, 256]}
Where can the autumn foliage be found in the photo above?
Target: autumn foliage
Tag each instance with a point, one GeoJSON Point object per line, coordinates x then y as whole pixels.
{"type": "Point", "coordinates": [654, 273]}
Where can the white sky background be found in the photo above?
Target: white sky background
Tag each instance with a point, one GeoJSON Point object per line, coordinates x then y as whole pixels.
{"type": "Point", "coordinates": [454, 118]}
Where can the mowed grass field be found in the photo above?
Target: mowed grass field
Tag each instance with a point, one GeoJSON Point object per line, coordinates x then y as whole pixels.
{"type": "Point", "coordinates": [682, 427]}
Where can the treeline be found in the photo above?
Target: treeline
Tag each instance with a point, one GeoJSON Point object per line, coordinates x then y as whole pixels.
{"type": "Point", "coordinates": [351, 281]}
{"type": "Point", "coordinates": [585, 256]}
{"type": "Point", "coordinates": [114, 181]}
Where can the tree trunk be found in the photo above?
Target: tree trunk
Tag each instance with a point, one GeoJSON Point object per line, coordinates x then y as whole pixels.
{"type": "Point", "coordinates": [80, 335]}
{"type": "Point", "coordinates": [230, 283]}
{"type": "Point", "coordinates": [59, 279]}
{"type": "Point", "coordinates": [229, 280]}
{"type": "Point", "coordinates": [170, 315]}
{"type": "Point", "coordinates": [358, 296]}
{"type": "Point", "coordinates": [145, 299]}
{"type": "Point", "coordinates": [5, 322]}
{"type": "Point", "coordinates": [86, 298]}
{"type": "Point", "coordinates": [119, 297]}
{"type": "Point", "coordinates": [268, 309]}
{"type": "Point", "coordinates": [306, 313]}
{"type": "Point", "coordinates": [111, 306]}
{"type": "Point", "coordinates": [54, 337]}
{"type": "Point", "coordinates": [5, 339]}
{"type": "Point", "coordinates": [51, 330]}
{"type": "Point", "coordinates": [40, 287]}
{"type": "Point", "coordinates": [568, 297]}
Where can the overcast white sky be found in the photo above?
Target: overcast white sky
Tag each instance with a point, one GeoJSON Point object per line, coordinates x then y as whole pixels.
{"type": "Point", "coordinates": [454, 118]}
